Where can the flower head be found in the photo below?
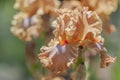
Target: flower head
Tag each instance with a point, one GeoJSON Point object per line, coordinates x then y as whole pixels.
{"type": "Point", "coordinates": [74, 28]}
{"type": "Point", "coordinates": [26, 27]}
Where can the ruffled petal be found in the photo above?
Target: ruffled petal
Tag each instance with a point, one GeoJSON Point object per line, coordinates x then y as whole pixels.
{"type": "Point", "coordinates": [73, 25]}
{"type": "Point", "coordinates": [106, 59]}
{"type": "Point", "coordinates": [58, 58]}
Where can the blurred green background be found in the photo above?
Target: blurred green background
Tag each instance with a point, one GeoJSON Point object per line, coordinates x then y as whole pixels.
{"type": "Point", "coordinates": [12, 50]}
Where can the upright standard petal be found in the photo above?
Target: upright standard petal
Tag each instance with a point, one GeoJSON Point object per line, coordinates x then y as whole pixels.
{"type": "Point", "coordinates": [74, 25]}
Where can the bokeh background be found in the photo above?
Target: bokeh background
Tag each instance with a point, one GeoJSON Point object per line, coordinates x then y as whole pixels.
{"type": "Point", "coordinates": [12, 50]}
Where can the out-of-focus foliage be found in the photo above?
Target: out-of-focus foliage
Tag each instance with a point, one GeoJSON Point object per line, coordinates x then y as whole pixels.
{"type": "Point", "coordinates": [12, 57]}
{"type": "Point", "coordinates": [12, 52]}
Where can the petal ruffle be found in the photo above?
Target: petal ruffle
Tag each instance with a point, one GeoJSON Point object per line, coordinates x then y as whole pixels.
{"type": "Point", "coordinates": [58, 58]}
{"type": "Point", "coordinates": [73, 25]}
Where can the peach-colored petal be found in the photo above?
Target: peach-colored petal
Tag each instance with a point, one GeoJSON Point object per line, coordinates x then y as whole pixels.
{"type": "Point", "coordinates": [108, 28]}
{"type": "Point", "coordinates": [28, 6]}
{"type": "Point", "coordinates": [73, 25]}
{"type": "Point", "coordinates": [50, 77]}
{"type": "Point", "coordinates": [103, 8]}
{"type": "Point", "coordinates": [106, 60]}
{"type": "Point", "coordinates": [58, 58]}
{"type": "Point", "coordinates": [71, 4]}
{"type": "Point", "coordinates": [48, 6]}
{"type": "Point", "coordinates": [40, 6]}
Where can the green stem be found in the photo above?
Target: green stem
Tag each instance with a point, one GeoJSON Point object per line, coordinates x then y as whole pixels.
{"type": "Point", "coordinates": [31, 60]}
{"type": "Point", "coordinates": [81, 73]}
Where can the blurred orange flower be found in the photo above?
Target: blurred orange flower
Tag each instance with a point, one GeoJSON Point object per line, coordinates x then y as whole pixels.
{"type": "Point", "coordinates": [26, 27]}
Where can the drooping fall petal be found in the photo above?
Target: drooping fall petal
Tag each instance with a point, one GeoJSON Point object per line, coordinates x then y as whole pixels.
{"type": "Point", "coordinates": [106, 59]}
{"type": "Point", "coordinates": [58, 58]}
